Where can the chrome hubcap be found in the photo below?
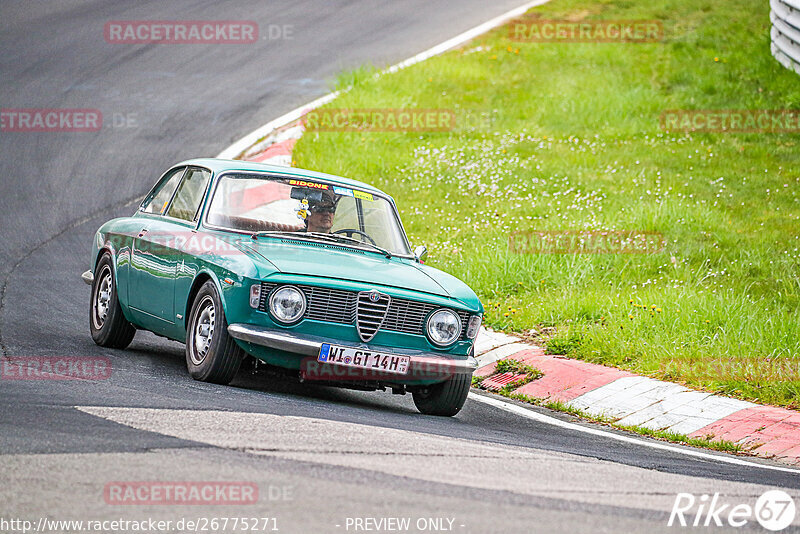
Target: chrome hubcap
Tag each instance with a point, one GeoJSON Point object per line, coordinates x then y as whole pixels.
{"type": "Point", "coordinates": [102, 299]}
{"type": "Point", "coordinates": [203, 330]}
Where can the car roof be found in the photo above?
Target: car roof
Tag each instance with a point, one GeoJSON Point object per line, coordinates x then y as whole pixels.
{"type": "Point", "coordinates": [218, 166]}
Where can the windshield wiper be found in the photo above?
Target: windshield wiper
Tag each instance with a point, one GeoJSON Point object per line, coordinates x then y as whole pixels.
{"type": "Point", "coordinates": [336, 238]}
{"type": "Point", "coordinates": [278, 233]}
{"type": "Point", "coordinates": [344, 239]}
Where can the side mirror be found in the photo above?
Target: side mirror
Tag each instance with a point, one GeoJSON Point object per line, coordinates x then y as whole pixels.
{"type": "Point", "coordinates": [420, 253]}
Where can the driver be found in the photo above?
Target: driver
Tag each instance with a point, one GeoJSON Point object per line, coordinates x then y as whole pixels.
{"type": "Point", "coordinates": [320, 217]}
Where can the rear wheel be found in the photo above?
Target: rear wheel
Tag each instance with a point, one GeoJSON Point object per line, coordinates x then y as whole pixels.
{"type": "Point", "coordinates": [445, 398]}
{"type": "Point", "coordinates": [211, 354]}
{"type": "Point", "coordinates": [107, 323]}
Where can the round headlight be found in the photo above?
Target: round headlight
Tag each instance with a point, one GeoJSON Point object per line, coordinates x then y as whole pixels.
{"type": "Point", "coordinates": [287, 304]}
{"type": "Point", "coordinates": [444, 327]}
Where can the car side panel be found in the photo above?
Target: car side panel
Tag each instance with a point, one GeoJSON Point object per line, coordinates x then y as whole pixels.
{"type": "Point", "coordinates": [117, 236]}
{"type": "Point", "coordinates": [216, 255]}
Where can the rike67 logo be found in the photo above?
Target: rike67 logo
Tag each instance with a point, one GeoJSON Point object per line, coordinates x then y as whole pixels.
{"type": "Point", "coordinates": [774, 510]}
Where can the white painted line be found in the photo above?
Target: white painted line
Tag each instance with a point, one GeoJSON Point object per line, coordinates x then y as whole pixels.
{"type": "Point", "coordinates": [295, 132]}
{"type": "Point", "coordinates": [466, 36]}
{"type": "Point", "coordinates": [502, 352]}
{"type": "Point", "coordinates": [252, 138]}
{"type": "Point", "coordinates": [489, 339]}
{"type": "Point", "coordinates": [541, 418]}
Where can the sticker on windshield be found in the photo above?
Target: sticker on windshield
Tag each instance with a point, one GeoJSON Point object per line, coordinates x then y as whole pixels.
{"type": "Point", "coordinates": [343, 191]}
{"type": "Point", "coordinates": [362, 195]}
{"type": "Point", "coordinates": [303, 183]}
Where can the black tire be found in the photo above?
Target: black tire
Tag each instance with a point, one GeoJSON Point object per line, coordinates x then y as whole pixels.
{"type": "Point", "coordinates": [211, 354]}
{"type": "Point", "coordinates": [445, 398]}
{"type": "Point", "coordinates": [106, 322]}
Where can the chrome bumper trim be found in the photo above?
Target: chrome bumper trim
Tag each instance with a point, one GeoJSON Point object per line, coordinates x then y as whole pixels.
{"type": "Point", "coordinates": [309, 346]}
{"type": "Point", "coordinates": [88, 277]}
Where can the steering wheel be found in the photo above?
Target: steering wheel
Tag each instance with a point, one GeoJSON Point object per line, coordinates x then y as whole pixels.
{"type": "Point", "coordinates": [350, 231]}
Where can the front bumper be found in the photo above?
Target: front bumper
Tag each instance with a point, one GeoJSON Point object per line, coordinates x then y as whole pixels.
{"type": "Point", "coordinates": [426, 364]}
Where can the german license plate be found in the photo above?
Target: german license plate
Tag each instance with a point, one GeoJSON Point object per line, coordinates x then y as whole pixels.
{"type": "Point", "coordinates": [364, 359]}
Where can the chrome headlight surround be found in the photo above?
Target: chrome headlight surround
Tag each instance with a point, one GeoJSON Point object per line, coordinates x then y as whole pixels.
{"type": "Point", "coordinates": [278, 299]}
{"type": "Point", "coordinates": [443, 337]}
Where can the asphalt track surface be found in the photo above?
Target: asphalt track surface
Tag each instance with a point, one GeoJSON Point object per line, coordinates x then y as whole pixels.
{"type": "Point", "coordinates": [330, 454]}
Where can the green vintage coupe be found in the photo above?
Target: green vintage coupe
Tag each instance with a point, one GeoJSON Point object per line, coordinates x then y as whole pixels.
{"type": "Point", "coordinates": [301, 270]}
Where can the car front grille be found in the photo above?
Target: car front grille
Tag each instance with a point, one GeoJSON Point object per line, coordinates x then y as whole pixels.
{"type": "Point", "coordinates": [332, 305]}
{"type": "Point", "coordinates": [370, 313]}
{"type": "Point", "coordinates": [342, 306]}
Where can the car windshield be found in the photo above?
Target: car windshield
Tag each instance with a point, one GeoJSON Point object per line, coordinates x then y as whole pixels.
{"type": "Point", "coordinates": [262, 203]}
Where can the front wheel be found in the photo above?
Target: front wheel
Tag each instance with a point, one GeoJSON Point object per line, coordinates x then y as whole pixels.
{"type": "Point", "coordinates": [106, 322]}
{"type": "Point", "coordinates": [211, 354]}
{"type": "Point", "coordinates": [445, 398]}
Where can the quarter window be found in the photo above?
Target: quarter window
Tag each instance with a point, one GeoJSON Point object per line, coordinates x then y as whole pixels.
{"type": "Point", "coordinates": [190, 195]}
{"type": "Point", "coordinates": [156, 202]}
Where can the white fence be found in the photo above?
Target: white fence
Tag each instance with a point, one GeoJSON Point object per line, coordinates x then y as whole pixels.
{"type": "Point", "coordinates": [785, 17]}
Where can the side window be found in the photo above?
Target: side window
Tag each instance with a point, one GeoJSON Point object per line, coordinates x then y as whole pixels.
{"type": "Point", "coordinates": [156, 202]}
{"type": "Point", "coordinates": [190, 195]}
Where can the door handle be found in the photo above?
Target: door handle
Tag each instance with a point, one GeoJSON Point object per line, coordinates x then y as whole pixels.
{"type": "Point", "coordinates": [142, 232]}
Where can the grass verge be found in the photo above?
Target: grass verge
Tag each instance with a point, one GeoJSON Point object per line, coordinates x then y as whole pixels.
{"type": "Point", "coordinates": [566, 137]}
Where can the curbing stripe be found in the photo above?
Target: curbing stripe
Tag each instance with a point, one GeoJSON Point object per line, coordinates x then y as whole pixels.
{"type": "Point", "coordinates": [773, 431]}
{"type": "Point", "coordinates": [565, 379]}
{"type": "Point", "coordinates": [279, 151]}
{"type": "Point", "coordinates": [633, 400]}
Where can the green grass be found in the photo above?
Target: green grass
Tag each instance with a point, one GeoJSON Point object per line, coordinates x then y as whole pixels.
{"type": "Point", "coordinates": [558, 136]}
